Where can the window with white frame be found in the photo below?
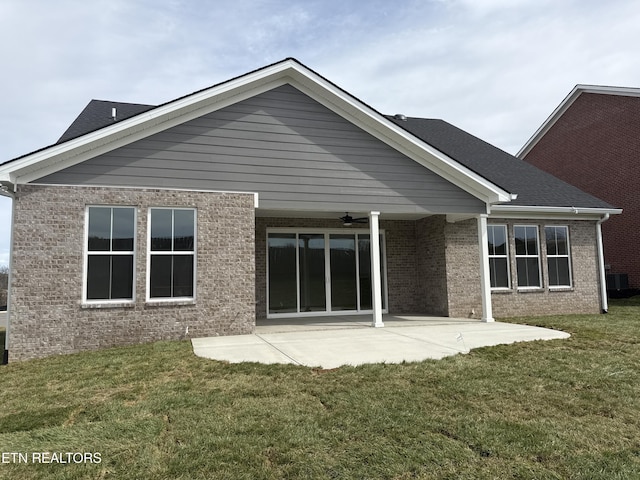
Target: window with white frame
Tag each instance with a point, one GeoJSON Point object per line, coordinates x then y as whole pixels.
{"type": "Point", "coordinates": [110, 252]}
{"type": "Point", "coordinates": [498, 256]}
{"type": "Point", "coordinates": [172, 249]}
{"type": "Point", "coordinates": [527, 256]}
{"type": "Point", "coordinates": [558, 263]}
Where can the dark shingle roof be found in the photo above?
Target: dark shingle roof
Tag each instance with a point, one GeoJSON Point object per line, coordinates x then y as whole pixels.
{"type": "Point", "coordinates": [97, 115]}
{"type": "Point", "coordinates": [533, 186]}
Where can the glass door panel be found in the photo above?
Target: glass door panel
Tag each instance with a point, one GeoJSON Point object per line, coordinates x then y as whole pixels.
{"type": "Point", "coordinates": [364, 275]}
{"type": "Point", "coordinates": [283, 284]}
{"type": "Point", "coordinates": [312, 273]}
{"type": "Point", "coordinates": [344, 294]}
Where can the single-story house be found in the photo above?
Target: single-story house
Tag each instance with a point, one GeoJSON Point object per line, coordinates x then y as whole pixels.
{"type": "Point", "coordinates": [278, 194]}
{"type": "Point", "coordinates": [591, 140]}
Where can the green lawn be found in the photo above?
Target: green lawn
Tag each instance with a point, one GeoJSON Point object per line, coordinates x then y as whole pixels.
{"type": "Point", "coordinates": [558, 409]}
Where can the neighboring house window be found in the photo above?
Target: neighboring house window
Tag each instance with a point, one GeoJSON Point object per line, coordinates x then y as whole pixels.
{"type": "Point", "coordinates": [527, 256]}
{"type": "Point", "coordinates": [558, 263]}
{"type": "Point", "coordinates": [498, 256]}
{"type": "Point", "coordinates": [110, 253]}
{"type": "Point", "coordinates": [172, 253]}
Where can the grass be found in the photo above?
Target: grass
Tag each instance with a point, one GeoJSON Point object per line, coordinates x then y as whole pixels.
{"type": "Point", "coordinates": [562, 409]}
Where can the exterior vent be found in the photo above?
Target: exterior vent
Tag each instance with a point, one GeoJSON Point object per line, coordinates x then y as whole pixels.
{"type": "Point", "coordinates": [617, 281]}
{"type": "Point", "coordinates": [400, 116]}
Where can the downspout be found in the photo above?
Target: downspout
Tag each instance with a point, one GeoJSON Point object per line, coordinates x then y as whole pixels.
{"type": "Point", "coordinates": [4, 191]}
{"type": "Point", "coordinates": [603, 278]}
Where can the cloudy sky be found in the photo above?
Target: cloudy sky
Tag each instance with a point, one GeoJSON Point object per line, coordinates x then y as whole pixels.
{"type": "Point", "coordinates": [496, 68]}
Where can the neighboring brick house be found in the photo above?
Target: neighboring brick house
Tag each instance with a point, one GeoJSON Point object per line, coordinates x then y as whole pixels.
{"type": "Point", "coordinates": [273, 195]}
{"type": "Point", "coordinates": [592, 140]}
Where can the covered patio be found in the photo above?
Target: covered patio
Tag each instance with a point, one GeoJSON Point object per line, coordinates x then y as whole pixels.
{"type": "Point", "coordinates": [331, 342]}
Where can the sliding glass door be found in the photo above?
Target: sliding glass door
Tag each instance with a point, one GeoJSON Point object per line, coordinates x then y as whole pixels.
{"type": "Point", "coordinates": [320, 272]}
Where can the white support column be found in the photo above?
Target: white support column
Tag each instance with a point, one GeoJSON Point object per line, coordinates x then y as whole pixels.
{"type": "Point", "coordinates": [376, 281]}
{"type": "Point", "coordinates": [485, 278]}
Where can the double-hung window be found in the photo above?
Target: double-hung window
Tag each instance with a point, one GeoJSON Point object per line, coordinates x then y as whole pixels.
{"type": "Point", "coordinates": [498, 256]}
{"type": "Point", "coordinates": [558, 264]}
{"type": "Point", "coordinates": [110, 253]}
{"type": "Point", "coordinates": [172, 253]}
{"type": "Point", "coordinates": [527, 256]}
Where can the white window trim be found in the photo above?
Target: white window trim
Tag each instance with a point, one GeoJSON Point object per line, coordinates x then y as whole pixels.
{"type": "Point", "coordinates": [160, 300]}
{"type": "Point", "coordinates": [506, 256]}
{"type": "Point", "coordinates": [516, 256]}
{"type": "Point", "coordinates": [326, 232]}
{"type": "Point", "coordinates": [85, 267]}
{"type": "Point", "coordinates": [568, 256]}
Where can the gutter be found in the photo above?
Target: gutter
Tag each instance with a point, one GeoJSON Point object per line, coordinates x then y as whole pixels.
{"type": "Point", "coordinates": [603, 279]}
{"type": "Point", "coordinates": [529, 209]}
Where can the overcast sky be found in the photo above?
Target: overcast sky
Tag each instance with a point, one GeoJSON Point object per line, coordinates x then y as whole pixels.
{"type": "Point", "coordinates": [496, 68]}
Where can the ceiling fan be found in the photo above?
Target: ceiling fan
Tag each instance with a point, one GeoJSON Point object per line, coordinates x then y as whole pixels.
{"type": "Point", "coordinates": [348, 220]}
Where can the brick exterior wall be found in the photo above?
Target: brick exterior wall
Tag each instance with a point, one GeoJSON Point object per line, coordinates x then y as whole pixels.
{"type": "Point", "coordinates": [400, 236]}
{"type": "Point", "coordinates": [595, 146]}
{"type": "Point", "coordinates": [432, 266]}
{"type": "Point", "coordinates": [463, 269]}
{"type": "Point", "coordinates": [583, 297]}
{"type": "Point", "coordinates": [48, 256]}
{"type": "Point", "coordinates": [463, 273]}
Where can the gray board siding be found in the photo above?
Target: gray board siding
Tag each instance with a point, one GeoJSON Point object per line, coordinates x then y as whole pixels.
{"type": "Point", "coordinates": [291, 150]}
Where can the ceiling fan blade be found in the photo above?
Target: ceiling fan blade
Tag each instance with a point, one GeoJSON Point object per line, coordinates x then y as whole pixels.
{"type": "Point", "coordinates": [349, 220]}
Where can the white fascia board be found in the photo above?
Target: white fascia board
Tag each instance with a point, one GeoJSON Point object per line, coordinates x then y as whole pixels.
{"type": "Point", "coordinates": [565, 213]}
{"type": "Point", "coordinates": [398, 138]}
{"type": "Point", "coordinates": [566, 103]}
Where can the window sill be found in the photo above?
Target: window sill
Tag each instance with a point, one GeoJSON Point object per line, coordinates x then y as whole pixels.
{"type": "Point", "coordinates": [561, 289]}
{"type": "Point", "coordinates": [501, 290]}
{"type": "Point", "coordinates": [170, 302]}
{"type": "Point", "coordinates": [530, 290]}
{"type": "Point", "coordinates": [96, 305]}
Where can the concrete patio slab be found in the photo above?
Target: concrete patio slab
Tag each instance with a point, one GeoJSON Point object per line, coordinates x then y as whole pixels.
{"type": "Point", "coordinates": [335, 343]}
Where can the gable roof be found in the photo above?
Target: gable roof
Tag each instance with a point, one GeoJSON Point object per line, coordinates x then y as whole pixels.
{"type": "Point", "coordinates": [466, 161]}
{"type": "Point", "coordinates": [51, 159]}
{"type": "Point", "coordinates": [567, 102]}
